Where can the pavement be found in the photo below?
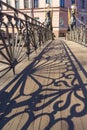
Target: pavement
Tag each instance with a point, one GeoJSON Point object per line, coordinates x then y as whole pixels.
{"type": "Point", "coordinates": [48, 92]}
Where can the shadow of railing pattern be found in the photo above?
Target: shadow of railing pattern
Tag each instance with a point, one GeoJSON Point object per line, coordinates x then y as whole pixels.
{"type": "Point", "coordinates": [57, 89]}
{"type": "Point", "coordinates": [19, 36]}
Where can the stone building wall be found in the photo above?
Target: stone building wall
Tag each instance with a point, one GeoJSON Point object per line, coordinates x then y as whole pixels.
{"type": "Point", "coordinates": [60, 14]}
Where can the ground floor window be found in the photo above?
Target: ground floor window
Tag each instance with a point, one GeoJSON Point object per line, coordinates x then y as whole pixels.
{"type": "Point", "coordinates": [62, 3]}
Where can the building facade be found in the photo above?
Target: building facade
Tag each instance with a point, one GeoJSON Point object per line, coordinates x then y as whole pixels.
{"type": "Point", "coordinates": [59, 8]}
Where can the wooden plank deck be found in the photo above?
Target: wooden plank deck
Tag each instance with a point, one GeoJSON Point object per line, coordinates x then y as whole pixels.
{"type": "Point", "coordinates": [50, 92]}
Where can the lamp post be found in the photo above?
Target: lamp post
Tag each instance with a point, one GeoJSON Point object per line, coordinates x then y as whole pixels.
{"type": "Point", "coordinates": [48, 17]}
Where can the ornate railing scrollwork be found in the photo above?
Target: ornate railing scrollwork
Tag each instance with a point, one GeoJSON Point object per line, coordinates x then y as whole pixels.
{"type": "Point", "coordinates": [19, 36]}
{"type": "Point", "coordinates": [78, 35]}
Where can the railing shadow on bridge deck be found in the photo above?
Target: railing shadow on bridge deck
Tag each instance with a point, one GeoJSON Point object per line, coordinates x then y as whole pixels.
{"type": "Point", "coordinates": [58, 58]}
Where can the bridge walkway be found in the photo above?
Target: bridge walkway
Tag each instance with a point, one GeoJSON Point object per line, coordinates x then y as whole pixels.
{"type": "Point", "coordinates": [48, 92]}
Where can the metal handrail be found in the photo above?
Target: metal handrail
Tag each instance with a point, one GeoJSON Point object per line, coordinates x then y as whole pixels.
{"type": "Point", "coordinates": [78, 34]}
{"type": "Point", "coordinates": [19, 36]}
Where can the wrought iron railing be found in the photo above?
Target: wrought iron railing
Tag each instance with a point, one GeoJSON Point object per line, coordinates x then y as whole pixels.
{"type": "Point", "coordinates": [78, 34]}
{"type": "Point", "coordinates": [19, 36]}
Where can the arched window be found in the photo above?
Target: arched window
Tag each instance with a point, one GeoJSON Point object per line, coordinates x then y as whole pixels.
{"type": "Point", "coordinates": [62, 3]}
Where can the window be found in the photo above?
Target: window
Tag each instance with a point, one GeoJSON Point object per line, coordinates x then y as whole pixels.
{"type": "Point", "coordinates": [83, 4]}
{"type": "Point", "coordinates": [72, 1]}
{"type": "Point", "coordinates": [9, 3]}
{"type": "Point", "coordinates": [1, 7]}
{"type": "Point", "coordinates": [61, 22]}
{"type": "Point", "coordinates": [35, 3]}
{"type": "Point", "coordinates": [37, 18]}
{"type": "Point", "coordinates": [17, 4]}
{"type": "Point", "coordinates": [26, 4]}
{"type": "Point", "coordinates": [86, 20]}
{"type": "Point", "coordinates": [47, 1]}
{"type": "Point", "coordinates": [62, 3]}
{"type": "Point", "coordinates": [82, 19]}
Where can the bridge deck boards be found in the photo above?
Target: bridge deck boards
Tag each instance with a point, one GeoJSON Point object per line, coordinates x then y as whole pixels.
{"type": "Point", "coordinates": [49, 93]}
